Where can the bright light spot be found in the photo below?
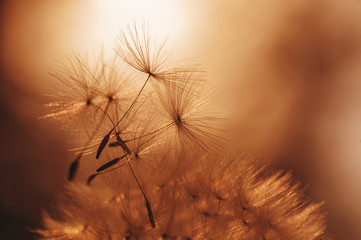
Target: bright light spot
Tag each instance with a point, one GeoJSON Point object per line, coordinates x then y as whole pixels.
{"type": "Point", "coordinates": [164, 17]}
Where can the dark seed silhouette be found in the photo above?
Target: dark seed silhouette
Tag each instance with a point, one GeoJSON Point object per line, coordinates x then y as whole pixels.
{"type": "Point", "coordinates": [123, 145]}
{"type": "Point", "coordinates": [103, 144]}
{"type": "Point", "coordinates": [109, 164]}
{"type": "Point", "coordinates": [74, 168]}
{"type": "Point", "coordinates": [114, 144]}
{"type": "Point", "coordinates": [150, 214]}
{"type": "Point", "coordinates": [91, 178]}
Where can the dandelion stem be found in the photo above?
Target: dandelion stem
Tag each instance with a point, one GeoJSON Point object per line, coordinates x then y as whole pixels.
{"type": "Point", "coordinates": [158, 130]}
{"type": "Point", "coordinates": [104, 111]}
{"type": "Point", "coordinates": [74, 166]}
{"type": "Point", "coordinates": [147, 203]}
{"type": "Point", "coordinates": [123, 145]}
{"type": "Point", "coordinates": [106, 138]}
{"type": "Point", "coordinates": [135, 100]}
{"type": "Point", "coordinates": [91, 177]}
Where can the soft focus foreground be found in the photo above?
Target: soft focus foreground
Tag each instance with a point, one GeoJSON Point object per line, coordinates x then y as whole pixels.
{"type": "Point", "coordinates": [212, 197]}
{"type": "Point", "coordinates": [293, 68]}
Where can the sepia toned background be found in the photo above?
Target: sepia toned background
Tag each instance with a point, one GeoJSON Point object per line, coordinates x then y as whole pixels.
{"type": "Point", "coordinates": [290, 71]}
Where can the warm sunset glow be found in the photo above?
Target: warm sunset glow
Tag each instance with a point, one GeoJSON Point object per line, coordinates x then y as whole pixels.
{"type": "Point", "coordinates": [238, 117]}
{"type": "Point", "coordinates": [46, 32]}
{"type": "Point", "coordinates": [166, 18]}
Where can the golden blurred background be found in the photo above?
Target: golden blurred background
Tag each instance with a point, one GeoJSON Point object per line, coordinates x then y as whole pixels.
{"type": "Point", "coordinates": [290, 70]}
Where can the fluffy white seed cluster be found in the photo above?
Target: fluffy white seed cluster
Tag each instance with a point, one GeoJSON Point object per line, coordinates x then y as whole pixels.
{"type": "Point", "coordinates": [163, 170]}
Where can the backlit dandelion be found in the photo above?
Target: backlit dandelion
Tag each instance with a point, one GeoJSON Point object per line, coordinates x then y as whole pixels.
{"type": "Point", "coordinates": [136, 48]}
{"type": "Point", "coordinates": [94, 96]}
{"type": "Point", "coordinates": [254, 207]}
{"type": "Point", "coordinates": [162, 168]}
{"type": "Point", "coordinates": [183, 104]}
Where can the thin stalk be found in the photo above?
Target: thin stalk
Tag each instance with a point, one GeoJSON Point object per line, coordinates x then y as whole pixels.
{"type": "Point", "coordinates": [135, 100]}
{"type": "Point", "coordinates": [147, 203]}
{"type": "Point", "coordinates": [106, 137]}
{"type": "Point", "coordinates": [158, 130]}
{"type": "Point", "coordinates": [75, 164]}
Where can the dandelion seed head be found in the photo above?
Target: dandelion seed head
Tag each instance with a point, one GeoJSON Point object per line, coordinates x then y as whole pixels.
{"type": "Point", "coordinates": [162, 170]}
{"type": "Point", "coordinates": [187, 208]}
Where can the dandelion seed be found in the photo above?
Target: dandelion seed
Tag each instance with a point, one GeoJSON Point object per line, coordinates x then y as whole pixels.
{"type": "Point", "coordinates": [92, 93]}
{"type": "Point", "coordinates": [103, 144]}
{"type": "Point", "coordinates": [123, 144]}
{"type": "Point", "coordinates": [124, 115]}
{"type": "Point", "coordinates": [73, 168]}
{"type": "Point", "coordinates": [91, 178]}
{"type": "Point", "coordinates": [182, 103]}
{"type": "Point", "coordinates": [150, 213]}
{"type": "Point", "coordinates": [114, 144]}
{"type": "Point", "coordinates": [147, 203]}
{"type": "Point", "coordinates": [109, 164]}
{"type": "Point", "coordinates": [175, 155]}
{"type": "Point", "coordinates": [138, 51]}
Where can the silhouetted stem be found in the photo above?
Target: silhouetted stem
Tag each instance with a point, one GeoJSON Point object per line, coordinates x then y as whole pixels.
{"type": "Point", "coordinates": [147, 203]}
{"type": "Point", "coordinates": [106, 138]}
{"type": "Point", "coordinates": [135, 100]}
{"type": "Point", "coordinates": [158, 130]}
{"type": "Point", "coordinates": [74, 166]}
